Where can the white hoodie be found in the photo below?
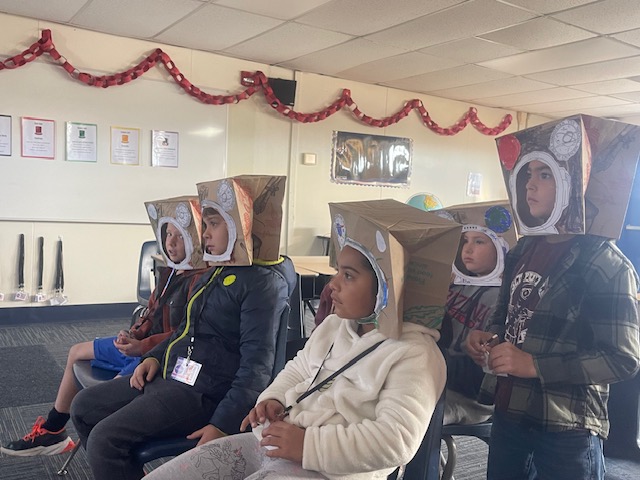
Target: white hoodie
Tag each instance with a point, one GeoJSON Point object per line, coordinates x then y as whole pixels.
{"type": "Point", "coordinates": [374, 415]}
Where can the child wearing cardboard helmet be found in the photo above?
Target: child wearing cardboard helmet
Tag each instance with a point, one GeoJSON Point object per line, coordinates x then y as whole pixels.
{"type": "Point", "coordinates": [487, 233]}
{"type": "Point", "coordinates": [566, 315]}
{"type": "Point", "coordinates": [175, 223]}
{"type": "Point", "coordinates": [368, 376]}
{"type": "Point", "coordinates": [202, 380]}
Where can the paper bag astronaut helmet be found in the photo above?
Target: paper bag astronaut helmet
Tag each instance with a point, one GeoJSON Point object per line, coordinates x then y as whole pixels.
{"type": "Point", "coordinates": [179, 215]}
{"type": "Point", "coordinates": [570, 176]}
{"type": "Point", "coordinates": [251, 208]}
{"type": "Point", "coordinates": [410, 251]}
{"type": "Point", "coordinates": [495, 221]}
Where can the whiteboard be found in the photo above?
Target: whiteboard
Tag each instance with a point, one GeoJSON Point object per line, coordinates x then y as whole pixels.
{"type": "Point", "coordinates": [60, 190]}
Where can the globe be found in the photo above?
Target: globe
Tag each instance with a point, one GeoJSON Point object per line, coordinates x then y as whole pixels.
{"type": "Point", "coordinates": [425, 201]}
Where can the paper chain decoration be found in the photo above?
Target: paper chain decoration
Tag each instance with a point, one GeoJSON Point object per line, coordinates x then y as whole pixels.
{"type": "Point", "coordinates": [255, 81]}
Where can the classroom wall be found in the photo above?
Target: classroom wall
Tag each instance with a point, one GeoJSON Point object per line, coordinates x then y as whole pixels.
{"type": "Point", "coordinates": [101, 258]}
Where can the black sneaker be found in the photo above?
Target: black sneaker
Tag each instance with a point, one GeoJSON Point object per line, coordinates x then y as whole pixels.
{"type": "Point", "coordinates": [39, 442]}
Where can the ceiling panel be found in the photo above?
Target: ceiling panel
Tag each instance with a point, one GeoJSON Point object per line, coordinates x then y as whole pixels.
{"type": "Point", "coordinates": [529, 98]}
{"type": "Point", "coordinates": [230, 27]}
{"type": "Point", "coordinates": [577, 104]}
{"type": "Point", "coordinates": [630, 96]}
{"type": "Point", "coordinates": [611, 70]}
{"type": "Point", "coordinates": [503, 86]}
{"type": "Point", "coordinates": [53, 10]}
{"type": "Point", "coordinates": [453, 77]}
{"type": "Point", "coordinates": [632, 37]}
{"type": "Point", "coordinates": [282, 9]}
{"type": "Point", "coordinates": [283, 43]}
{"type": "Point", "coordinates": [579, 53]}
{"type": "Point", "coordinates": [607, 16]}
{"type": "Point", "coordinates": [609, 86]}
{"type": "Point", "coordinates": [462, 21]}
{"type": "Point", "coordinates": [471, 50]}
{"type": "Point", "coordinates": [620, 111]}
{"type": "Point", "coordinates": [342, 57]}
{"type": "Point", "coordinates": [121, 17]}
{"type": "Point", "coordinates": [361, 17]}
{"type": "Point", "coordinates": [400, 66]}
{"type": "Point", "coordinates": [549, 6]}
{"type": "Point", "coordinates": [538, 33]}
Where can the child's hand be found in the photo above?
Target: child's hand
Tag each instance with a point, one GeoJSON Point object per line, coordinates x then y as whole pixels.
{"type": "Point", "coordinates": [129, 346]}
{"type": "Point", "coordinates": [476, 346]}
{"type": "Point", "coordinates": [506, 358]}
{"type": "Point", "coordinates": [145, 372]}
{"type": "Point", "coordinates": [265, 410]}
{"type": "Point", "coordinates": [288, 439]}
{"type": "Point", "coordinates": [122, 336]}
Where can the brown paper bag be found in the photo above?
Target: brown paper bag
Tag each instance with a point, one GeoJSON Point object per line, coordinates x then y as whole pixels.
{"type": "Point", "coordinates": [414, 249]}
{"type": "Point", "coordinates": [184, 214]}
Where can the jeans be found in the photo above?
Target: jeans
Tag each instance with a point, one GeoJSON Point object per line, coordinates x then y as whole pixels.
{"type": "Point", "coordinates": [523, 453]}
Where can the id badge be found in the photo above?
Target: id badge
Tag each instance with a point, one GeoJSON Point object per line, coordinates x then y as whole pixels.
{"type": "Point", "coordinates": [186, 372]}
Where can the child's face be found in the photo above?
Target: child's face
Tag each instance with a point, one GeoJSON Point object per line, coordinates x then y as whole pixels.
{"type": "Point", "coordinates": [353, 288]}
{"type": "Point", "coordinates": [174, 244]}
{"type": "Point", "coordinates": [215, 235]}
{"type": "Point", "coordinates": [541, 190]}
{"type": "Point", "coordinates": [478, 253]}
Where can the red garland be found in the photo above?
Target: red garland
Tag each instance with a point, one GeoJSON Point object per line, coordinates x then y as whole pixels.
{"type": "Point", "coordinates": [254, 81]}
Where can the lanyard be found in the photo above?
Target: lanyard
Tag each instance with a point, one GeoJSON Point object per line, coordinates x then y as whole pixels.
{"type": "Point", "coordinates": [329, 378]}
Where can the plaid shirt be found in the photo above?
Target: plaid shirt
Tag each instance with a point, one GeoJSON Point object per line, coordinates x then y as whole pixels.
{"type": "Point", "coordinates": [583, 335]}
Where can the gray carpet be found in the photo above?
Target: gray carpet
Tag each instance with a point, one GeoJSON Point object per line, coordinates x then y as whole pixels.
{"type": "Point", "coordinates": [55, 340]}
{"type": "Point", "coordinates": [20, 389]}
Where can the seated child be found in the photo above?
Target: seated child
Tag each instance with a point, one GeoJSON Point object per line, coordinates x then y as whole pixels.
{"type": "Point", "coordinates": [354, 403]}
{"type": "Point", "coordinates": [202, 380]}
{"type": "Point", "coordinates": [121, 353]}
{"type": "Point", "coordinates": [487, 230]}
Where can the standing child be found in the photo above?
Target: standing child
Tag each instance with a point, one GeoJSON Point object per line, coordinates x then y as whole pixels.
{"type": "Point", "coordinates": [356, 401]}
{"type": "Point", "coordinates": [122, 352]}
{"type": "Point", "coordinates": [567, 314]}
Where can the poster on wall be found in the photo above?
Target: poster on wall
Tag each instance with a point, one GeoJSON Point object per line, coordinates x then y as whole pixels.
{"type": "Point", "coordinates": [38, 138]}
{"type": "Point", "coordinates": [164, 148]}
{"type": "Point", "coordinates": [5, 135]}
{"type": "Point", "coordinates": [125, 146]}
{"type": "Point", "coordinates": [82, 142]}
{"type": "Point", "coordinates": [363, 159]}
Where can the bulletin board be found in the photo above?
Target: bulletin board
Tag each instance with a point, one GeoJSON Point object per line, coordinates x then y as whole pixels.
{"type": "Point", "coordinates": [59, 190]}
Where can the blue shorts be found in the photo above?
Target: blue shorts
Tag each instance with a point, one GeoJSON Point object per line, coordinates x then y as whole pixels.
{"type": "Point", "coordinates": [107, 356]}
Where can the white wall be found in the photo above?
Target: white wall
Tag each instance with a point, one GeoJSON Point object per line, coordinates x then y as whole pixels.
{"type": "Point", "coordinates": [101, 259]}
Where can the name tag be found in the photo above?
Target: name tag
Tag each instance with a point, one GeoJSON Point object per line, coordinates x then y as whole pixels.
{"type": "Point", "coordinates": [186, 371]}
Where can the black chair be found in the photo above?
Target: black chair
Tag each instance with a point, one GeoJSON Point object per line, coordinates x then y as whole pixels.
{"type": "Point", "coordinates": [146, 270]}
{"type": "Point", "coordinates": [478, 430]}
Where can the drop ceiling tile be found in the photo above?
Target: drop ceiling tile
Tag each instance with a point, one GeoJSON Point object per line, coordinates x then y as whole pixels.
{"type": "Point", "coordinates": [577, 104]}
{"type": "Point", "coordinates": [549, 6]}
{"type": "Point", "coordinates": [361, 17]}
{"type": "Point", "coordinates": [282, 9]}
{"type": "Point", "coordinates": [619, 111]}
{"type": "Point", "coordinates": [538, 33]}
{"type": "Point", "coordinates": [400, 66]}
{"type": "Point", "coordinates": [632, 37]}
{"type": "Point", "coordinates": [609, 86]}
{"type": "Point", "coordinates": [608, 16]}
{"type": "Point", "coordinates": [215, 28]}
{"type": "Point", "coordinates": [538, 96]}
{"type": "Point", "coordinates": [579, 53]}
{"type": "Point", "coordinates": [453, 77]}
{"type": "Point", "coordinates": [462, 21]}
{"type": "Point", "coordinates": [631, 96]}
{"type": "Point", "coordinates": [610, 70]}
{"type": "Point", "coordinates": [53, 10]}
{"type": "Point", "coordinates": [123, 17]}
{"type": "Point", "coordinates": [493, 88]}
{"type": "Point", "coordinates": [285, 43]}
{"type": "Point", "coordinates": [342, 57]}
{"type": "Point", "coordinates": [471, 50]}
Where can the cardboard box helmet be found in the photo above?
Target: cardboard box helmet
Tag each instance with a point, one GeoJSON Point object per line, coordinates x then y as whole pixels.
{"type": "Point", "coordinates": [251, 208]}
{"type": "Point", "coordinates": [410, 251]}
{"type": "Point", "coordinates": [493, 219]}
{"type": "Point", "coordinates": [570, 176]}
{"type": "Point", "coordinates": [181, 214]}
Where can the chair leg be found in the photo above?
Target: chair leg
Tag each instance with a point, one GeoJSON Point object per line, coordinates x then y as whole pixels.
{"type": "Point", "coordinates": [63, 469]}
{"type": "Point", "coordinates": [450, 464]}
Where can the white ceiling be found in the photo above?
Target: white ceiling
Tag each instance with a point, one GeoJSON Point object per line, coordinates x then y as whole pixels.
{"type": "Point", "coordinates": [549, 57]}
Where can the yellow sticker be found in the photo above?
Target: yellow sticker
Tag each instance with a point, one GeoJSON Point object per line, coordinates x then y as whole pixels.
{"type": "Point", "coordinates": [228, 280]}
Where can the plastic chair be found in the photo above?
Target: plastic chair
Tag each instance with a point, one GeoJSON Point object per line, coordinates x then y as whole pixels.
{"type": "Point", "coordinates": [146, 268]}
{"type": "Point", "coordinates": [478, 430]}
